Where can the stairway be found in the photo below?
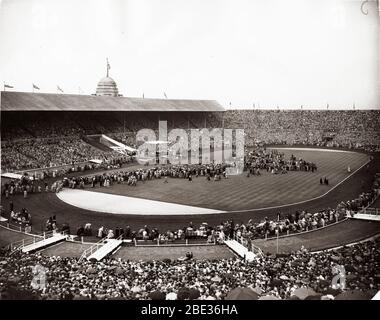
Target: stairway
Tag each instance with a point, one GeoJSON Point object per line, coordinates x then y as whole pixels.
{"type": "Point", "coordinates": [94, 140]}
{"type": "Point", "coordinates": [240, 250]}
{"type": "Point", "coordinates": [108, 247]}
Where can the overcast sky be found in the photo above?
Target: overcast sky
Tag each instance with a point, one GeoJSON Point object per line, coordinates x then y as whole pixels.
{"type": "Point", "coordinates": [268, 53]}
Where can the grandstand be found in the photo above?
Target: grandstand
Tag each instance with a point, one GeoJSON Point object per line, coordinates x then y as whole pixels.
{"type": "Point", "coordinates": [67, 123]}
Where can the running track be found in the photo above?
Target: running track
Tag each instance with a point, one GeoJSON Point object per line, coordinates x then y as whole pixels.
{"type": "Point", "coordinates": [45, 205]}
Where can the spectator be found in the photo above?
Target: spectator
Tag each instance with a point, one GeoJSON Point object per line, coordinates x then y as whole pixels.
{"type": "Point", "coordinates": [117, 278]}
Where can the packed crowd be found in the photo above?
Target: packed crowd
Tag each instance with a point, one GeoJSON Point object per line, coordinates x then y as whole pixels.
{"type": "Point", "coordinates": [275, 162]}
{"type": "Point", "coordinates": [203, 232]}
{"type": "Point", "coordinates": [51, 152]}
{"type": "Point", "coordinates": [25, 145]}
{"type": "Point", "coordinates": [260, 158]}
{"type": "Point", "coordinates": [347, 129]}
{"type": "Point", "coordinates": [284, 225]}
{"type": "Point", "coordinates": [22, 217]}
{"type": "Point", "coordinates": [42, 277]}
{"type": "Point", "coordinates": [131, 177]}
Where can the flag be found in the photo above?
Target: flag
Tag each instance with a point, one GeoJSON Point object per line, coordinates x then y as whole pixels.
{"type": "Point", "coordinates": [108, 67]}
{"type": "Point", "coordinates": [165, 95]}
{"type": "Point", "coordinates": [35, 87]}
{"type": "Point", "coordinates": [59, 89]}
{"type": "Point", "coordinates": [7, 86]}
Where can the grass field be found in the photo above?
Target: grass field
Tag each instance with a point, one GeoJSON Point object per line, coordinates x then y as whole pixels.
{"type": "Point", "coordinates": [66, 249]}
{"type": "Point", "coordinates": [242, 193]}
{"type": "Point", "coordinates": [75, 249]}
{"type": "Point", "coordinates": [160, 253]}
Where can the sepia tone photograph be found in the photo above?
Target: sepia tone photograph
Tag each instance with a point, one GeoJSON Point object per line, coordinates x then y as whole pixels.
{"type": "Point", "coordinates": [201, 151]}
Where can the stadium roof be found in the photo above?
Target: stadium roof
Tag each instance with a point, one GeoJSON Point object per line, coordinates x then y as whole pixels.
{"type": "Point", "coordinates": [27, 101]}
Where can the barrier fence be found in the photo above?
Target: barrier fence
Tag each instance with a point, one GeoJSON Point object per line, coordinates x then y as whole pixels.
{"type": "Point", "coordinates": [371, 211]}
{"type": "Point", "coordinates": [176, 242]}
{"type": "Point", "coordinates": [31, 239]}
{"type": "Point", "coordinates": [17, 227]}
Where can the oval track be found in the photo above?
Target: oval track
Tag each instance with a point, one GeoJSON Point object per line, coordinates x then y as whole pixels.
{"type": "Point", "coordinates": [45, 205]}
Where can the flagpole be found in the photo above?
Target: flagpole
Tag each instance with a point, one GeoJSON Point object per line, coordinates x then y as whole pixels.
{"type": "Point", "coordinates": [108, 67]}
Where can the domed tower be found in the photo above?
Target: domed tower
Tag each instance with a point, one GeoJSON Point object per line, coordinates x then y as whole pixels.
{"type": "Point", "coordinates": [107, 86]}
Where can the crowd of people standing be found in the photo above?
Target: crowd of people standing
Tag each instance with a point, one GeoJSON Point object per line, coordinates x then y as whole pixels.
{"type": "Point", "coordinates": [190, 279]}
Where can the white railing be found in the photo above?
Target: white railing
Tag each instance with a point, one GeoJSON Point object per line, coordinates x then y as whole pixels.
{"type": "Point", "coordinates": [33, 238]}
{"type": "Point", "coordinates": [10, 226]}
{"type": "Point", "coordinates": [371, 211]}
{"type": "Point", "coordinates": [171, 243]}
{"type": "Point", "coordinates": [368, 210]}
{"type": "Point", "coordinates": [89, 251]}
{"type": "Point", "coordinates": [18, 245]}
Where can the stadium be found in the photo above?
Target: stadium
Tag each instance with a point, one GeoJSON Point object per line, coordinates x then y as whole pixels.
{"type": "Point", "coordinates": [231, 153]}
{"type": "Point", "coordinates": [83, 217]}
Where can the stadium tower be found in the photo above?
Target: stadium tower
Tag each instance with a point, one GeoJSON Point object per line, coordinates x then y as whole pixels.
{"type": "Point", "coordinates": [107, 86]}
